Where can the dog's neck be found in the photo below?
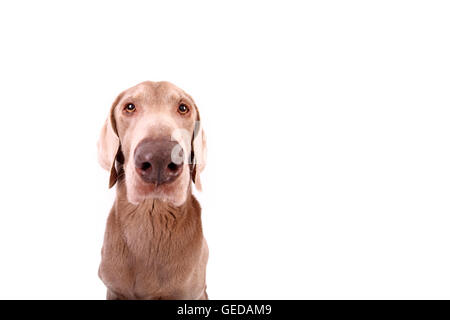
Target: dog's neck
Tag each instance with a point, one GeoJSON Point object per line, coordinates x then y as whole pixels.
{"type": "Point", "coordinates": [155, 226]}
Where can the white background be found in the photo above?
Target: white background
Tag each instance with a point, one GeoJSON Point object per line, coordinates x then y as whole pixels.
{"type": "Point", "coordinates": [328, 134]}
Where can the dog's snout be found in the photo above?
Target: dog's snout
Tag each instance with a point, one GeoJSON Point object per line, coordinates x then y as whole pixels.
{"type": "Point", "coordinates": [158, 161]}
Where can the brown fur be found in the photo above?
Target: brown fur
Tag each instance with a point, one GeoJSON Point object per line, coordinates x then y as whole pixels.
{"type": "Point", "coordinates": [153, 248]}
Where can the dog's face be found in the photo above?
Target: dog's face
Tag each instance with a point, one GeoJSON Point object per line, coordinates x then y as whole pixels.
{"type": "Point", "coordinates": [154, 129]}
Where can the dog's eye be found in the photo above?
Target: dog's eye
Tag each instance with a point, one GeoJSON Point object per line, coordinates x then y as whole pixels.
{"type": "Point", "coordinates": [130, 108]}
{"type": "Point", "coordinates": [183, 109]}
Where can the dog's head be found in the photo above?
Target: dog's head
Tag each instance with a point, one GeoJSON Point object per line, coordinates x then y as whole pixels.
{"type": "Point", "coordinates": [153, 130]}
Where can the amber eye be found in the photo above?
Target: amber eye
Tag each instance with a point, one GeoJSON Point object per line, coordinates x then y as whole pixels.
{"type": "Point", "coordinates": [130, 108]}
{"type": "Point", "coordinates": [183, 109]}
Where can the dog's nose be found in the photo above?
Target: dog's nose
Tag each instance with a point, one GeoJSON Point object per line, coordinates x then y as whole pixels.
{"type": "Point", "coordinates": [158, 161]}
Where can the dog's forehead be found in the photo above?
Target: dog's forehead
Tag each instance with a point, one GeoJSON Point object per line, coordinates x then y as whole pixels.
{"type": "Point", "coordinates": [155, 93]}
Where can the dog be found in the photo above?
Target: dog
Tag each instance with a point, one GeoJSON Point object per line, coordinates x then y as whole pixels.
{"type": "Point", "coordinates": [154, 148]}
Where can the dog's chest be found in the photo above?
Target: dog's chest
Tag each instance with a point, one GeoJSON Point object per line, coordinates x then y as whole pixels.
{"type": "Point", "coordinates": [155, 260]}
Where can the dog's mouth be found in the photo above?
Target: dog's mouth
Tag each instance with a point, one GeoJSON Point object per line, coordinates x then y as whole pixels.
{"type": "Point", "coordinates": [157, 185]}
{"type": "Point", "coordinates": [140, 187]}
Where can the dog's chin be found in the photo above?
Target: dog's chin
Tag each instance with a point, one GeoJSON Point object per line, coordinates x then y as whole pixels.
{"type": "Point", "coordinates": [174, 193]}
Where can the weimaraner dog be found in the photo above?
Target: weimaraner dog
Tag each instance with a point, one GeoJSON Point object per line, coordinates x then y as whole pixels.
{"type": "Point", "coordinates": [153, 146]}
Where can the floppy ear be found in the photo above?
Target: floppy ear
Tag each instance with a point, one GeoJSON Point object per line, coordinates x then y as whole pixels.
{"type": "Point", "coordinates": [108, 145]}
{"type": "Point", "coordinates": [198, 154]}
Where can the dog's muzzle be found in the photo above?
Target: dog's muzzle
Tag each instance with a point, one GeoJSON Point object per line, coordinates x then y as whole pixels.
{"type": "Point", "coordinates": [158, 161]}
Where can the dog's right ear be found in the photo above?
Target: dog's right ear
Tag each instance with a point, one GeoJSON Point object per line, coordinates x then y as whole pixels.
{"type": "Point", "coordinates": [108, 145]}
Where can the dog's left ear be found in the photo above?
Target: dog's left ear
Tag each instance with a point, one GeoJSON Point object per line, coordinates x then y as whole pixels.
{"type": "Point", "coordinates": [108, 145]}
{"type": "Point", "coordinates": [198, 152]}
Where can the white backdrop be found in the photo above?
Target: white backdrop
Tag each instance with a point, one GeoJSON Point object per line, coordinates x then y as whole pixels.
{"type": "Point", "coordinates": [328, 131]}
